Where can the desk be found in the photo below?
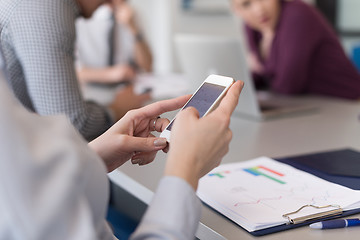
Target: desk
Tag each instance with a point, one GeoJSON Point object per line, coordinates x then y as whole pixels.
{"type": "Point", "coordinates": [335, 125]}
{"type": "Point", "coordinates": [163, 87]}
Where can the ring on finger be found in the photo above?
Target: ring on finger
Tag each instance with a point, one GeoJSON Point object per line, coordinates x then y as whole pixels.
{"type": "Point", "coordinates": [154, 123]}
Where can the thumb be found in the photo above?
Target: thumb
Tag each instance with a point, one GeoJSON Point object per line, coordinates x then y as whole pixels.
{"type": "Point", "coordinates": [186, 116]}
{"type": "Point", "coordinates": [189, 112]}
{"type": "Point", "coordinates": [143, 144]}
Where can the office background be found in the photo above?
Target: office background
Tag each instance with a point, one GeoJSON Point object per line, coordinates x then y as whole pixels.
{"type": "Point", "coordinates": [161, 20]}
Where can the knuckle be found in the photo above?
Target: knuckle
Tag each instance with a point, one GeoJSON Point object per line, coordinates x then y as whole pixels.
{"type": "Point", "coordinates": [130, 113]}
{"type": "Point", "coordinates": [133, 113]}
{"type": "Point", "coordinates": [184, 113]}
{"type": "Point", "coordinates": [193, 110]}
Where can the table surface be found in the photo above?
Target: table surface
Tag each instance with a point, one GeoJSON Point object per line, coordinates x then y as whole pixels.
{"type": "Point", "coordinates": [334, 125]}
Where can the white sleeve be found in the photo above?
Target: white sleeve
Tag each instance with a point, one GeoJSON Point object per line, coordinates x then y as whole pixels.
{"type": "Point", "coordinates": [174, 212]}
{"type": "Point", "coordinates": [51, 185]}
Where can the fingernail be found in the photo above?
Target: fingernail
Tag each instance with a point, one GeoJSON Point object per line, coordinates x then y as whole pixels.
{"type": "Point", "coordinates": [160, 142]}
{"type": "Point", "coordinates": [135, 161]}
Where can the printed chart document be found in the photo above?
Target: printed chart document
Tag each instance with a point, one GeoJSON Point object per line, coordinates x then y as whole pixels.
{"type": "Point", "coordinates": [257, 193]}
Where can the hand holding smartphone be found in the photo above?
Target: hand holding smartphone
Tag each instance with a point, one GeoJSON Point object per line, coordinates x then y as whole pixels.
{"type": "Point", "coordinates": [205, 99]}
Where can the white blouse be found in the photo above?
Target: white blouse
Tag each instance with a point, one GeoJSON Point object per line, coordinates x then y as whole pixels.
{"type": "Point", "coordinates": [52, 186]}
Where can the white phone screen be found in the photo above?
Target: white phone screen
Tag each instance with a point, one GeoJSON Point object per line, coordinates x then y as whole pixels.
{"type": "Point", "coordinates": [203, 99]}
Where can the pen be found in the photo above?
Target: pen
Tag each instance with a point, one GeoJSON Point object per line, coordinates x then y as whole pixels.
{"type": "Point", "coordinates": [337, 223]}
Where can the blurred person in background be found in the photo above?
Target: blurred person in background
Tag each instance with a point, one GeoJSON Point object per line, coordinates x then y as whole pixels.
{"type": "Point", "coordinates": [293, 50]}
{"type": "Point", "coordinates": [110, 46]}
{"type": "Point", "coordinates": [37, 38]}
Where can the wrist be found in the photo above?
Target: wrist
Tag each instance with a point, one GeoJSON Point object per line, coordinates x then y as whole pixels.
{"type": "Point", "coordinates": [95, 145]}
{"type": "Point", "coordinates": [191, 180]}
{"type": "Point", "coordinates": [102, 149]}
{"type": "Point", "coordinates": [185, 171]}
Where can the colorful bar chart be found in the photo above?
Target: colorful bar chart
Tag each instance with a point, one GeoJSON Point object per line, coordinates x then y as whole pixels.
{"type": "Point", "coordinates": [219, 174]}
{"type": "Point", "coordinates": [258, 171]}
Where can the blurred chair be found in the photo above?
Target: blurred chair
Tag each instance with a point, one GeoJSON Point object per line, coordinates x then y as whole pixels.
{"type": "Point", "coordinates": [355, 56]}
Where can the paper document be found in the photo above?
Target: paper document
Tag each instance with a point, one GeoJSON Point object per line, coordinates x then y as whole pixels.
{"type": "Point", "coordinates": [257, 193]}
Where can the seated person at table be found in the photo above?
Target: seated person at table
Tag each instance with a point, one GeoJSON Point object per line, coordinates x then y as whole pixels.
{"type": "Point", "coordinates": [293, 50]}
{"type": "Point", "coordinates": [40, 62]}
{"type": "Point", "coordinates": [110, 47]}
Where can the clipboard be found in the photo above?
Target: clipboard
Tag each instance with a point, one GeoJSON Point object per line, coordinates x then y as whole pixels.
{"type": "Point", "coordinates": [321, 217]}
{"type": "Point", "coordinates": [347, 181]}
{"type": "Point", "coordinates": [304, 223]}
{"type": "Point", "coordinates": [335, 212]}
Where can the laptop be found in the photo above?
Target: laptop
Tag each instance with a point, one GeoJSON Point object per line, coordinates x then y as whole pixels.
{"type": "Point", "coordinates": [202, 55]}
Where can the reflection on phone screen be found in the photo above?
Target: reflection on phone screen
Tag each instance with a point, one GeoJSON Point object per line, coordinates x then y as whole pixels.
{"type": "Point", "coordinates": [203, 99]}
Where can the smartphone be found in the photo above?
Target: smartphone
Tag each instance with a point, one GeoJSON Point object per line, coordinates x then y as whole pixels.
{"type": "Point", "coordinates": [206, 98]}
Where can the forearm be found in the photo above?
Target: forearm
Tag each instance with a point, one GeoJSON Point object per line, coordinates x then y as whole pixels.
{"type": "Point", "coordinates": [287, 81]}
{"type": "Point", "coordinates": [292, 70]}
{"type": "Point", "coordinates": [183, 171]}
{"type": "Point", "coordinates": [101, 75]}
{"type": "Point", "coordinates": [143, 55]}
{"type": "Point", "coordinates": [171, 215]}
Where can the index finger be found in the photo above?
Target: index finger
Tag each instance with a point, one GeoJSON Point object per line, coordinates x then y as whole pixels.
{"type": "Point", "coordinates": [158, 108]}
{"type": "Point", "coordinates": [230, 101]}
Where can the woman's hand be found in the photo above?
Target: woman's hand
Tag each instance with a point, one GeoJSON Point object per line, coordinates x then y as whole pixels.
{"type": "Point", "coordinates": [198, 145]}
{"type": "Point", "coordinates": [254, 63]}
{"type": "Point", "coordinates": [119, 73]}
{"type": "Point", "coordinates": [131, 138]}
